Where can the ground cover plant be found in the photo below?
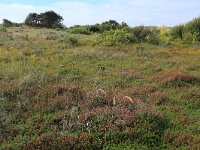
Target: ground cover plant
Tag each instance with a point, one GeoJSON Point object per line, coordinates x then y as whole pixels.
{"type": "Point", "coordinates": [115, 88]}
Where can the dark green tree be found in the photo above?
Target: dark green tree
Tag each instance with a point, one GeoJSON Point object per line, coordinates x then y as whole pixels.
{"type": "Point", "coordinates": [48, 19]}
{"type": "Point", "coordinates": [7, 23]}
{"type": "Point", "coordinates": [94, 28]}
{"type": "Point", "coordinates": [109, 25]}
{"type": "Point", "coordinates": [32, 20]}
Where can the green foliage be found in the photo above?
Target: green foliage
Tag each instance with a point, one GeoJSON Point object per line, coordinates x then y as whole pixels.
{"type": "Point", "coordinates": [115, 37]}
{"type": "Point", "coordinates": [48, 19]}
{"type": "Point", "coordinates": [97, 28]}
{"type": "Point", "coordinates": [72, 40]}
{"type": "Point", "coordinates": [177, 32]}
{"type": "Point", "coordinates": [146, 34]}
{"type": "Point", "coordinates": [192, 30]}
{"type": "Point", "coordinates": [150, 129]}
{"type": "Point", "coordinates": [77, 29]}
{"type": "Point", "coordinates": [109, 25]}
{"type": "Point", "coordinates": [7, 23]}
{"type": "Point", "coordinates": [126, 35]}
{"type": "Point", "coordinates": [32, 19]}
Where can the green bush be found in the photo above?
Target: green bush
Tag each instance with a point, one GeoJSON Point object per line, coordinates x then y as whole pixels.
{"type": "Point", "coordinates": [150, 129]}
{"type": "Point", "coordinates": [94, 28]}
{"type": "Point", "coordinates": [79, 30]}
{"type": "Point", "coordinates": [177, 32]}
{"type": "Point", "coordinates": [109, 25]}
{"type": "Point", "coordinates": [97, 28]}
{"type": "Point", "coordinates": [115, 37]}
{"type": "Point", "coordinates": [146, 34]}
{"type": "Point", "coordinates": [192, 30]}
{"type": "Point", "coordinates": [189, 32]}
{"type": "Point", "coordinates": [72, 40]}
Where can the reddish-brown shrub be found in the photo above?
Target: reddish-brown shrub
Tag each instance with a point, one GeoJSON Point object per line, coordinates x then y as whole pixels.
{"type": "Point", "coordinates": [178, 139]}
{"type": "Point", "coordinates": [177, 79]}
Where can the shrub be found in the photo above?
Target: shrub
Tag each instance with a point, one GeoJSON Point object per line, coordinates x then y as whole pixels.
{"type": "Point", "coordinates": [146, 34]}
{"type": "Point", "coordinates": [72, 40]}
{"type": "Point", "coordinates": [8, 23]}
{"type": "Point", "coordinates": [177, 79]}
{"type": "Point", "coordinates": [116, 37]}
{"type": "Point", "coordinates": [189, 32]}
{"type": "Point", "coordinates": [97, 28]}
{"type": "Point", "coordinates": [109, 25]}
{"type": "Point", "coordinates": [177, 32]}
{"type": "Point", "coordinates": [150, 129]}
{"type": "Point", "coordinates": [77, 29]}
{"type": "Point", "coordinates": [192, 30]}
{"type": "Point", "coordinates": [94, 28]}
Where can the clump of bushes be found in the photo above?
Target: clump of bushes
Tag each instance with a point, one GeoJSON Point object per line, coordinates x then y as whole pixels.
{"type": "Point", "coordinates": [177, 32]}
{"type": "Point", "coordinates": [114, 33]}
{"type": "Point", "coordinates": [7, 23]}
{"type": "Point", "coordinates": [189, 32]}
{"type": "Point", "coordinates": [115, 37]}
{"type": "Point", "coordinates": [71, 40]}
{"type": "Point", "coordinates": [97, 28]}
{"type": "Point", "coordinates": [146, 34]}
{"type": "Point", "coordinates": [150, 129]}
{"type": "Point", "coordinates": [127, 35]}
{"type": "Point", "coordinates": [192, 30]}
{"type": "Point", "coordinates": [109, 25]}
{"type": "Point", "coordinates": [177, 79]}
{"type": "Point", "coordinates": [78, 29]}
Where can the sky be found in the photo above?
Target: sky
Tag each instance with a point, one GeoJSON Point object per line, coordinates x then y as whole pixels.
{"type": "Point", "coordinates": [82, 12]}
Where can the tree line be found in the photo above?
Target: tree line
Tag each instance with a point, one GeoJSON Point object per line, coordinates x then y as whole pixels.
{"type": "Point", "coordinates": [48, 19]}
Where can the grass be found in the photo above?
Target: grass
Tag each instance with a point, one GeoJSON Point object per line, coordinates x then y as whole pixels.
{"type": "Point", "coordinates": [58, 95]}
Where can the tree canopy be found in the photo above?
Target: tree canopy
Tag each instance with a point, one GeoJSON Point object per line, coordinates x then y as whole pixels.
{"type": "Point", "coordinates": [48, 19]}
{"type": "Point", "coordinates": [8, 23]}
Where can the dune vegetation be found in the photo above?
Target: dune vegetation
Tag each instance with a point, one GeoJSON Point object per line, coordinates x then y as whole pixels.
{"type": "Point", "coordinates": [103, 86]}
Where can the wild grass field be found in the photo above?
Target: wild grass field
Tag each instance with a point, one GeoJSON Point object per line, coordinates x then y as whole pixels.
{"type": "Point", "coordinates": [60, 90]}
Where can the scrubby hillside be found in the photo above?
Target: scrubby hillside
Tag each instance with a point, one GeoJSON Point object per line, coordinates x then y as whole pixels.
{"type": "Point", "coordinates": [60, 90]}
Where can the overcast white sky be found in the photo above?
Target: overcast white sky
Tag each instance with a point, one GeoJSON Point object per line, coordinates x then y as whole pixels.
{"type": "Point", "coordinates": [134, 12]}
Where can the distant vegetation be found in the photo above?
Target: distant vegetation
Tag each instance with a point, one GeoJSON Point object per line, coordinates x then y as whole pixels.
{"type": "Point", "coordinates": [8, 23]}
{"type": "Point", "coordinates": [113, 32]}
{"type": "Point", "coordinates": [97, 28]}
{"type": "Point", "coordinates": [48, 19]}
